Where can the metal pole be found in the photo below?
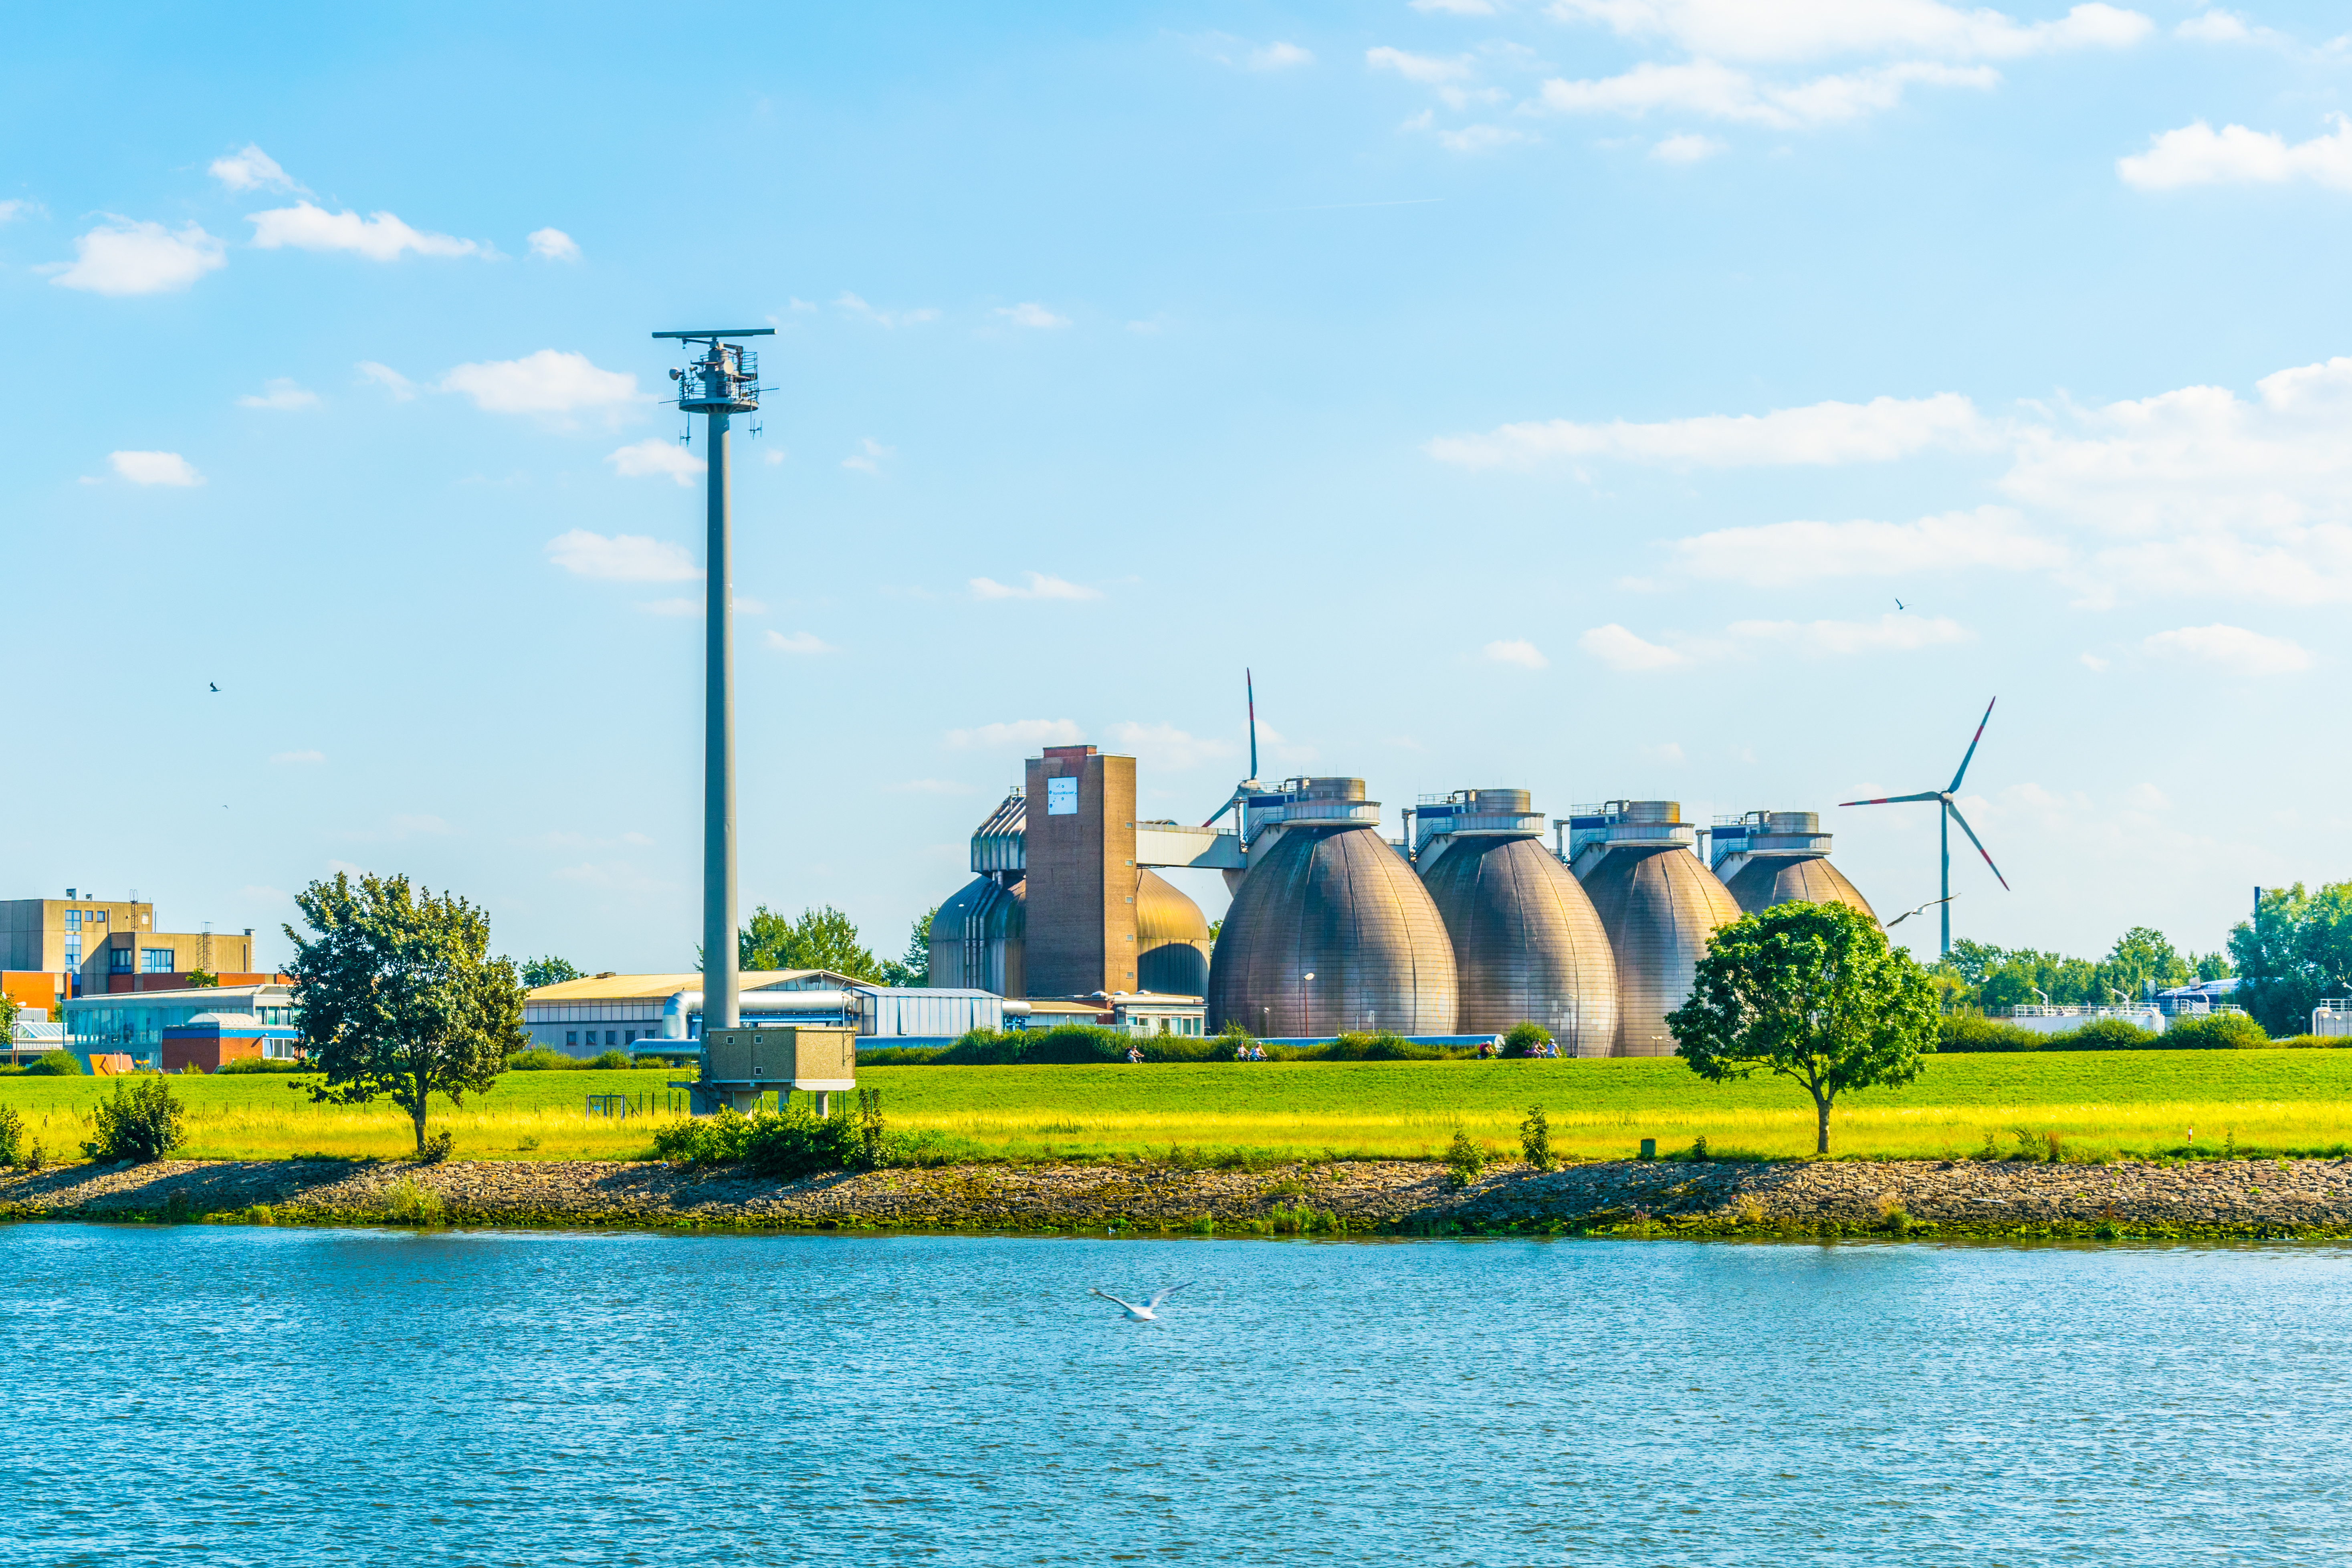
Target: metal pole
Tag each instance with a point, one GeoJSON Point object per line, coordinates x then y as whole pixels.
{"type": "Point", "coordinates": [1944, 842]}
{"type": "Point", "coordinates": [718, 981]}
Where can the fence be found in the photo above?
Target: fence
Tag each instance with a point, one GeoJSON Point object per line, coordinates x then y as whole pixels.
{"type": "Point", "coordinates": [652, 1102]}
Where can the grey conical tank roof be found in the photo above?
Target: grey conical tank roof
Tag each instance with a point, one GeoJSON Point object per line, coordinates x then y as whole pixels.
{"type": "Point", "coordinates": [1528, 945]}
{"type": "Point", "coordinates": [1659, 906]}
{"type": "Point", "coordinates": [1810, 879]}
{"type": "Point", "coordinates": [1339, 904]}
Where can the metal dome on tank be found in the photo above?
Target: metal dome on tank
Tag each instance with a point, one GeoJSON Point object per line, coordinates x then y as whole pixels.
{"type": "Point", "coordinates": [1768, 858]}
{"type": "Point", "coordinates": [1329, 928]}
{"type": "Point", "coordinates": [1171, 938]}
{"type": "Point", "coordinates": [1658, 904]}
{"type": "Point", "coordinates": [1528, 946]}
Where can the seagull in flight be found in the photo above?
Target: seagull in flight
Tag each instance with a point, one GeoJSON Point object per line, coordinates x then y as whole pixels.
{"type": "Point", "coordinates": [1147, 1313]}
{"type": "Point", "coordinates": [1898, 603]}
{"type": "Point", "coordinates": [1906, 914]}
{"type": "Point", "coordinates": [214, 685]}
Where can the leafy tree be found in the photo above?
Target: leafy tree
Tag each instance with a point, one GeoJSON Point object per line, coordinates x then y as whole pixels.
{"type": "Point", "coordinates": [8, 1016]}
{"type": "Point", "coordinates": [821, 939]}
{"type": "Point", "coordinates": [2296, 950]}
{"type": "Point", "coordinates": [2141, 959]}
{"type": "Point", "coordinates": [200, 978]}
{"type": "Point", "coordinates": [398, 996]}
{"type": "Point", "coordinates": [1809, 992]}
{"type": "Point", "coordinates": [1524, 1038]}
{"type": "Point", "coordinates": [915, 968]}
{"type": "Point", "coordinates": [142, 1123]}
{"type": "Point", "coordinates": [547, 971]}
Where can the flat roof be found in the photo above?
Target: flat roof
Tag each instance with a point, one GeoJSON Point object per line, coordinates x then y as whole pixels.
{"type": "Point", "coordinates": [180, 998]}
{"type": "Point", "coordinates": [650, 987]}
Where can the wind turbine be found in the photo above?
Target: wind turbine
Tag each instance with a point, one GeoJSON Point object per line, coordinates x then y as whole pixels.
{"type": "Point", "coordinates": [1949, 813]}
{"type": "Point", "coordinates": [1249, 689]}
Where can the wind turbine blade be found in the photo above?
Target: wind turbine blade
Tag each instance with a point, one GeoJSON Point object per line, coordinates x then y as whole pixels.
{"type": "Point", "coordinates": [1980, 849]}
{"type": "Point", "coordinates": [1249, 687]}
{"type": "Point", "coordinates": [1971, 754]}
{"type": "Point", "coordinates": [1893, 799]}
{"type": "Point", "coordinates": [1223, 809]}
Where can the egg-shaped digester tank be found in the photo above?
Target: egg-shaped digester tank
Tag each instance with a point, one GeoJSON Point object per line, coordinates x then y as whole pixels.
{"type": "Point", "coordinates": [1659, 906]}
{"type": "Point", "coordinates": [1331, 898]}
{"type": "Point", "coordinates": [1528, 946]}
{"type": "Point", "coordinates": [1171, 938]}
{"type": "Point", "coordinates": [979, 936]}
{"type": "Point", "coordinates": [1780, 857]}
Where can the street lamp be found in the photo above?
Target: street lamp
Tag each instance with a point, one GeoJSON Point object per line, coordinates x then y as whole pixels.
{"type": "Point", "coordinates": [1306, 1004]}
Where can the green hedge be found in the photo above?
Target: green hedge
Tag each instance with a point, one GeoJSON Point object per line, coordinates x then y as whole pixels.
{"type": "Point", "coordinates": [1079, 1043]}
{"type": "Point", "coordinates": [2214, 1032]}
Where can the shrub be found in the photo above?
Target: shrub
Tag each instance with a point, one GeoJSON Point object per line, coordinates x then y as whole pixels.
{"type": "Point", "coordinates": [1968, 1032]}
{"type": "Point", "coordinates": [142, 1123]}
{"type": "Point", "coordinates": [1523, 1039]}
{"type": "Point", "coordinates": [800, 1144]}
{"type": "Point", "coordinates": [12, 1135]}
{"type": "Point", "coordinates": [704, 1139]}
{"type": "Point", "coordinates": [541, 1059]}
{"type": "Point", "coordinates": [2105, 1035]}
{"type": "Point", "coordinates": [2215, 1031]}
{"type": "Point", "coordinates": [56, 1064]}
{"type": "Point", "coordinates": [2313, 1042]}
{"type": "Point", "coordinates": [1383, 1046]}
{"type": "Point", "coordinates": [434, 1150]}
{"type": "Point", "coordinates": [262, 1064]}
{"type": "Point", "coordinates": [611, 1061]}
{"type": "Point", "coordinates": [406, 1202]}
{"type": "Point", "coordinates": [1535, 1140]}
{"type": "Point", "coordinates": [901, 1056]}
{"type": "Point", "coordinates": [1463, 1161]}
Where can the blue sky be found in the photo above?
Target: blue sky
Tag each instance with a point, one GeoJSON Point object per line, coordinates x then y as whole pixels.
{"type": "Point", "coordinates": [1559, 395]}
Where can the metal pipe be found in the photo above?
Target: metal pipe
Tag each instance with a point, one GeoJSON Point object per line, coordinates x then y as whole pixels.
{"type": "Point", "coordinates": [719, 956]}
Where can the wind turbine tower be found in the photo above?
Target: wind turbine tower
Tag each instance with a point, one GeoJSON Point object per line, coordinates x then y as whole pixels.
{"type": "Point", "coordinates": [1947, 813]}
{"type": "Point", "coordinates": [723, 381]}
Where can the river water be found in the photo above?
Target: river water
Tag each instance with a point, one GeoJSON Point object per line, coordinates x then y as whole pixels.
{"type": "Point", "coordinates": [201, 1394]}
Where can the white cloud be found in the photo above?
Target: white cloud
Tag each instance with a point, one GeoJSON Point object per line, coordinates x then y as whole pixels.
{"type": "Point", "coordinates": [1278, 56]}
{"type": "Point", "coordinates": [154, 468]}
{"type": "Point", "coordinates": [1822, 433]}
{"type": "Point", "coordinates": [123, 257]}
{"type": "Point", "coordinates": [1480, 138]}
{"type": "Point", "coordinates": [2234, 649]}
{"type": "Point", "coordinates": [1518, 651]}
{"type": "Point", "coordinates": [857, 307]}
{"type": "Point", "coordinates": [1423, 69]}
{"type": "Point", "coordinates": [1023, 732]}
{"type": "Point", "coordinates": [1686, 148]}
{"type": "Point", "coordinates": [622, 558]}
{"type": "Point", "coordinates": [553, 245]}
{"type": "Point", "coordinates": [297, 759]}
{"type": "Point", "coordinates": [655, 457]}
{"type": "Point", "coordinates": [1039, 587]}
{"type": "Point", "coordinates": [409, 824]}
{"type": "Point", "coordinates": [867, 458]}
{"type": "Point", "coordinates": [1778, 553]}
{"type": "Point", "coordinates": [381, 237]}
{"type": "Point", "coordinates": [1722, 92]}
{"type": "Point", "coordinates": [2197, 154]}
{"type": "Point", "coordinates": [1618, 648]}
{"type": "Point", "coordinates": [799, 642]}
{"type": "Point", "coordinates": [1666, 751]}
{"type": "Point", "coordinates": [251, 170]}
{"type": "Point", "coordinates": [1790, 31]}
{"type": "Point", "coordinates": [1030, 315]}
{"type": "Point", "coordinates": [391, 380]}
{"type": "Point", "coordinates": [547, 382]}
{"type": "Point", "coordinates": [279, 393]}
{"type": "Point", "coordinates": [2094, 663]}
{"type": "Point", "coordinates": [1891, 633]}
{"type": "Point", "coordinates": [1164, 746]}
{"type": "Point", "coordinates": [11, 210]}
{"type": "Point", "coordinates": [2215, 28]}
{"type": "Point", "coordinates": [1454, 7]}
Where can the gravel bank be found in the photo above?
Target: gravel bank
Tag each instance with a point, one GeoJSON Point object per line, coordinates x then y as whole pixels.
{"type": "Point", "coordinates": [2307, 1197]}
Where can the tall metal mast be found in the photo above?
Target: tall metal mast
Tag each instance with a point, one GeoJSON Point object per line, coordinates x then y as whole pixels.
{"type": "Point", "coordinates": [722, 383]}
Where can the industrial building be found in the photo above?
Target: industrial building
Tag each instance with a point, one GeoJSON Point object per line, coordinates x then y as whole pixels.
{"type": "Point", "coordinates": [133, 1024]}
{"type": "Point", "coordinates": [52, 949]}
{"type": "Point", "coordinates": [1469, 925]}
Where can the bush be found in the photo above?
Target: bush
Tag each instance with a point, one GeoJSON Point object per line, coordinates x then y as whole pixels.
{"type": "Point", "coordinates": [12, 1136]}
{"type": "Point", "coordinates": [539, 1058]}
{"type": "Point", "coordinates": [142, 1123]}
{"type": "Point", "coordinates": [2105, 1035]}
{"type": "Point", "coordinates": [800, 1144]}
{"type": "Point", "coordinates": [1379, 1047]}
{"type": "Point", "coordinates": [1535, 1140]}
{"type": "Point", "coordinates": [262, 1064]}
{"type": "Point", "coordinates": [56, 1064]}
{"type": "Point", "coordinates": [901, 1056]}
{"type": "Point", "coordinates": [1968, 1032]}
{"type": "Point", "coordinates": [612, 1061]}
{"type": "Point", "coordinates": [406, 1202]}
{"type": "Point", "coordinates": [2313, 1042]}
{"type": "Point", "coordinates": [1523, 1039]}
{"type": "Point", "coordinates": [704, 1139]}
{"type": "Point", "coordinates": [1463, 1161]}
{"type": "Point", "coordinates": [2215, 1032]}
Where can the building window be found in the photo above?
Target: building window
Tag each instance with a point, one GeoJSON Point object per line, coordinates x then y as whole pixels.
{"type": "Point", "coordinates": [155, 961]}
{"type": "Point", "coordinates": [571, 1037]}
{"type": "Point", "coordinates": [73, 950]}
{"type": "Point", "coordinates": [73, 920]}
{"type": "Point", "coordinates": [118, 959]}
{"type": "Point", "coordinates": [632, 1039]}
{"type": "Point", "coordinates": [612, 1037]}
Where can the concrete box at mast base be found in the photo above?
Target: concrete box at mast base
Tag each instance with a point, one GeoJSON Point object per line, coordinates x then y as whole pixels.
{"type": "Point", "coordinates": [791, 1055]}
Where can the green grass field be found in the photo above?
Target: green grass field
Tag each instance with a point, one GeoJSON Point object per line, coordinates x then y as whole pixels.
{"type": "Point", "coordinates": [2101, 1102]}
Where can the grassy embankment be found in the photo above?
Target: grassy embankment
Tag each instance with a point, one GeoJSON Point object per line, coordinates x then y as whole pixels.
{"type": "Point", "coordinates": [2101, 1103]}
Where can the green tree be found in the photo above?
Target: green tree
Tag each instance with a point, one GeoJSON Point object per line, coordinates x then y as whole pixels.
{"type": "Point", "coordinates": [821, 939]}
{"type": "Point", "coordinates": [2142, 958]}
{"type": "Point", "coordinates": [200, 978]}
{"type": "Point", "coordinates": [1809, 992]}
{"type": "Point", "coordinates": [547, 971]}
{"type": "Point", "coordinates": [915, 968]}
{"type": "Point", "coordinates": [398, 998]}
{"type": "Point", "coordinates": [2296, 950]}
{"type": "Point", "coordinates": [7, 1017]}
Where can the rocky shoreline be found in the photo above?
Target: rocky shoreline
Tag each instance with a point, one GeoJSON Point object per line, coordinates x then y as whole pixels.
{"type": "Point", "coordinates": [2245, 1198]}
